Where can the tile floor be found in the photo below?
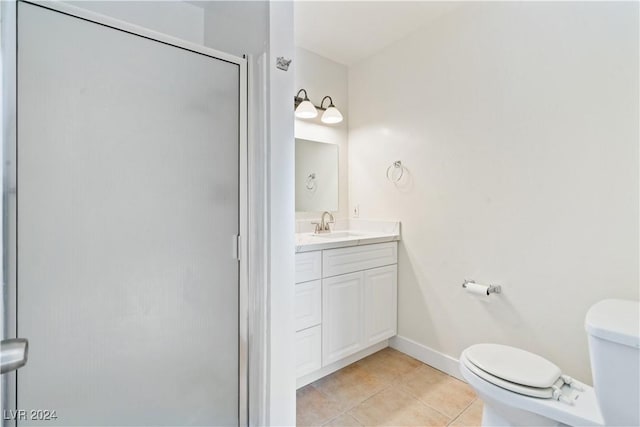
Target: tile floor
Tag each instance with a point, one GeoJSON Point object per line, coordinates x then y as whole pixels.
{"type": "Point", "coordinates": [388, 388]}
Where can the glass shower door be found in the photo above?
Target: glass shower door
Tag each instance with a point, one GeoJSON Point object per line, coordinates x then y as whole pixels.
{"type": "Point", "coordinates": [127, 206]}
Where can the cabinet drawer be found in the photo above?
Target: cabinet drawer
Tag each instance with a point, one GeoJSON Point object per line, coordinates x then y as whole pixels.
{"type": "Point", "coordinates": [308, 304]}
{"type": "Point", "coordinates": [308, 350]}
{"type": "Point", "coordinates": [308, 266]}
{"type": "Point", "coordinates": [347, 260]}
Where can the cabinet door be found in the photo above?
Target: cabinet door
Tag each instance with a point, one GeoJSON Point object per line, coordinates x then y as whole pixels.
{"type": "Point", "coordinates": [342, 311]}
{"type": "Point", "coordinates": [380, 303]}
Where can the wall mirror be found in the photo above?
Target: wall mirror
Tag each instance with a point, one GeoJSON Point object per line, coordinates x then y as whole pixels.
{"type": "Point", "coordinates": [316, 176]}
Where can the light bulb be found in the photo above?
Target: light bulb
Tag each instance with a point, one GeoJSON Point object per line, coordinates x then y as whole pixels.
{"type": "Point", "coordinates": [306, 110]}
{"type": "Point", "coordinates": [331, 116]}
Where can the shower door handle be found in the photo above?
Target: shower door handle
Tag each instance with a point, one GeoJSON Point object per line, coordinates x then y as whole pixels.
{"type": "Point", "coordinates": [13, 354]}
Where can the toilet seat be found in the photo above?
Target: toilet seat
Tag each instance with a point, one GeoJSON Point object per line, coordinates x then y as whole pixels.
{"type": "Point", "coordinates": [583, 412]}
{"type": "Point", "coordinates": [515, 370]}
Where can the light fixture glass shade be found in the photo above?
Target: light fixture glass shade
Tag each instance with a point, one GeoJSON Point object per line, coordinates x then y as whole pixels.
{"type": "Point", "coordinates": [306, 110]}
{"type": "Point", "coordinates": [331, 116]}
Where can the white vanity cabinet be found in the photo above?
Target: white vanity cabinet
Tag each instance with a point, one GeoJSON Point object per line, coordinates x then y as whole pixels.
{"type": "Point", "coordinates": [356, 290]}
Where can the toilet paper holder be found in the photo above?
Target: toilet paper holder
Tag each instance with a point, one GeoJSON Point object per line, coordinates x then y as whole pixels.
{"type": "Point", "coordinates": [492, 289]}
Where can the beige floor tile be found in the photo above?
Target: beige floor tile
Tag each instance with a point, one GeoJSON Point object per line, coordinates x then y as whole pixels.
{"type": "Point", "coordinates": [314, 408]}
{"type": "Point", "coordinates": [471, 417]}
{"type": "Point", "coordinates": [425, 375]}
{"type": "Point", "coordinates": [344, 420]}
{"type": "Point", "coordinates": [388, 364]}
{"type": "Point", "coordinates": [394, 407]}
{"type": "Point", "coordinates": [349, 386]}
{"type": "Point", "coordinates": [446, 394]}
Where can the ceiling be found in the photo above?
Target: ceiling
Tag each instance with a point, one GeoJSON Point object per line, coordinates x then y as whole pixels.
{"type": "Point", "coordinates": [349, 31]}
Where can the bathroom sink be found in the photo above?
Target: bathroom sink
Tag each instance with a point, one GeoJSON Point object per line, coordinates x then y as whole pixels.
{"type": "Point", "coordinates": [364, 232]}
{"type": "Point", "coordinates": [338, 235]}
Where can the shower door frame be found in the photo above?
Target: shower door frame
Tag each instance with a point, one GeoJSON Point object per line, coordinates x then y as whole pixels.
{"type": "Point", "coordinates": [8, 160]}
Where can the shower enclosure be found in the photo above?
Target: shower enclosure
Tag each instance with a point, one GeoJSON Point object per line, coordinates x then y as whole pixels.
{"type": "Point", "coordinates": [123, 209]}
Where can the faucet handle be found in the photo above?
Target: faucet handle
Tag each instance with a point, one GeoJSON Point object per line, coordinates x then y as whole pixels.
{"type": "Point", "coordinates": [318, 227]}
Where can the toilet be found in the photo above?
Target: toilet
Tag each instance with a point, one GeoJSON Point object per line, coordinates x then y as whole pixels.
{"type": "Point", "coordinates": [520, 388]}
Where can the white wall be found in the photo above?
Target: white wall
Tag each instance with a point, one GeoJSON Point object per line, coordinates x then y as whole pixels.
{"type": "Point", "coordinates": [175, 18]}
{"type": "Point", "coordinates": [282, 393]}
{"type": "Point", "coordinates": [237, 27]}
{"type": "Point", "coordinates": [518, 125]}
{"type": "Point", "coordinates": [320, 77]}
{"type": "Point", "coordinates": [264, 30]}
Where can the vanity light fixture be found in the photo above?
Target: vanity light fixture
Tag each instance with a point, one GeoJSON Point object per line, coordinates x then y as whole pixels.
{"type": "Point", "coordinates": [331, 114]}
{"type": "Point", "coordinates": [306, 110]}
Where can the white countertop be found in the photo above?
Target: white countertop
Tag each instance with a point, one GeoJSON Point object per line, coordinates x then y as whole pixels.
{"type": "Point", "coordinates": [349, 233]}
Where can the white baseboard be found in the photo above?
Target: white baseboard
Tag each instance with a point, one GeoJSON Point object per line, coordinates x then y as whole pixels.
{"type": "Point", "coordinates": [431, 357]}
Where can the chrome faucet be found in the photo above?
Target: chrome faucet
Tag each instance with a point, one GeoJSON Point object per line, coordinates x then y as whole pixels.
{"type": "Point", "coordinates": [323, 226]}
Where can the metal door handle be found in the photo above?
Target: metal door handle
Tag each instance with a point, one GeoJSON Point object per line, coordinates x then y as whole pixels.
{"type": "Point", "coordinates": [13, 354]}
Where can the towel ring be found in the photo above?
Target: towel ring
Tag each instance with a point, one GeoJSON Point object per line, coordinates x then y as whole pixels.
{"type": "Point", "coordinates": [395, 166]}
{"type": "Point", "coordinates": [310, 183]}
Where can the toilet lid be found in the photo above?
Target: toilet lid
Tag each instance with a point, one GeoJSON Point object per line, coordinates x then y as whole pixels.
{"type": "Point", "coordinates": [544, 393]}
{"type": "Point", "coordinates": [513, 365]}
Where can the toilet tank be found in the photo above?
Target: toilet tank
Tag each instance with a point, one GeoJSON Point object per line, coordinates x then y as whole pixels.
{"type": "Point", "coordinates": [613, 326]}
